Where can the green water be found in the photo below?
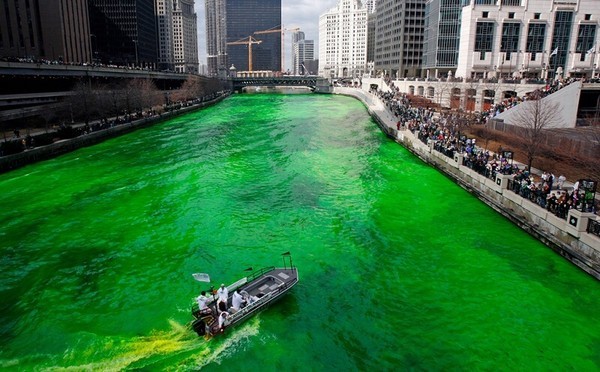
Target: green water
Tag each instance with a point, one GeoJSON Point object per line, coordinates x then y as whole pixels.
{"type": "Point", "coordinates": [399, 267]}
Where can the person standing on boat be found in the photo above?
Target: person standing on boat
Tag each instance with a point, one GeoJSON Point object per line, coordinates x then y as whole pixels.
{"type": "Point", "coordinates": [223, 293]}
{"type": "Point", "coordinates": [237, 300]}
{"type": "Point", "coordinates": [202, 300]}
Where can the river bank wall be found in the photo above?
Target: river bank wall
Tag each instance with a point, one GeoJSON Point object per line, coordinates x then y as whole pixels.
{"type": "Point", "coordinates": [569, 237]}
{"type": "Point", "coordinates": [30, 156]}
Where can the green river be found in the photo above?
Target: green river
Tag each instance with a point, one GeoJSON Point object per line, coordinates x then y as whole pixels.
{"type": "Point", "coordinates": [399, 267]}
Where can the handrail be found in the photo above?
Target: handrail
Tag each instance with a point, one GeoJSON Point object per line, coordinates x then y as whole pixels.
{"type": "Point", "coordinates": [260, 272]}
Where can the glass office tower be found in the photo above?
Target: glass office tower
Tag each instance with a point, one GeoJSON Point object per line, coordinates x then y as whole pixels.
{"type": "Point", "coordinates": [124, 32]}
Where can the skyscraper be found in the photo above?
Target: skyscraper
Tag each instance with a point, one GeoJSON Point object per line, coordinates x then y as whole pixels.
{"type": "Point", "coordinates": [243, 19]}
{"type": "Point", "coordinates": [343, 40]}
{"type": "Point", "coordinates": [164, 22]}
{"type": "Point", "coordinates": [302, 50]}
{"type": "Point", "coordinates": [216, 37]}
{"type": "Point", "coordinates": [399, 37]}
{"type": "Point", "coordinates": [185, 36]}
{"type": "Point", "coordinates": [371, 6]}
{"type": "Point", "coordinates": [125, 31]}
{"type": "Point", "coordinates": [57, 30]}
{"type": "Point", "coordinates": [442, 35]}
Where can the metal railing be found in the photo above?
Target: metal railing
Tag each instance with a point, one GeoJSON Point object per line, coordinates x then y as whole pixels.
{"type": "Point", "coordinates": [593, 227]}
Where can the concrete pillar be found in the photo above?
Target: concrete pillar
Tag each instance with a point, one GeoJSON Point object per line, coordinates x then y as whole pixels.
{"type": "Point", "coordinates": [459, 158]}
{"type": "Point", "coordinates": [577, 222]}
{"type": "Point", "coordinates": [502, 180]}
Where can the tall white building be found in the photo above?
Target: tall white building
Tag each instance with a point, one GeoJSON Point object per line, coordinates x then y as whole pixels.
{"type": "Point", "coordinates": [529, 38]}
{"type": "Point", "coordinates": [216, 37]}
{"type": "Point", "coordinates": [185, 36]}
{"type": "Point", "coordinates": [302, 50]}
{"type": "Point", "coordinates": [343, 40]}
{"type": "Point", "coordinates": [371, 6]}
{"type": "Point", "coordinates": [164, 21]}
{"type": "Point", "coordinates": [177, 35]}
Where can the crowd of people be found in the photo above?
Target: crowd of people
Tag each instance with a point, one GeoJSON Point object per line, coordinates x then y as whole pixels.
{"type": "Point", "coordinates": [539, 93]}
{"type": "Point", "coordinates": [553, 196]}
{"type": "Point", "coordinates": [442, 131]}
{"type": "Point", "coordinates": [60, 62]}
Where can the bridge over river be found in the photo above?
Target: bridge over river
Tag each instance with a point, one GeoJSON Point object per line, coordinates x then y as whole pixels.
{"type": "Point", "coordinates": [315, 83]}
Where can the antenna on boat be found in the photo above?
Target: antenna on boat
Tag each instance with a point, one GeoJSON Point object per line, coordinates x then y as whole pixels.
{"type": "Point", "coordinates": [287, 255]}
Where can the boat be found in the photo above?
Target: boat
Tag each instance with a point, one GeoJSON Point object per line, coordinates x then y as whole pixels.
{"type": "Point", "coordinates": [259, 290]}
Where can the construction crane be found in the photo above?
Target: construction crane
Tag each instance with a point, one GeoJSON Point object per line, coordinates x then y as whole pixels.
{"type": "Point", "coordinates": [247, 41]}
{"type": "Point", "coordinates": [282, 30]}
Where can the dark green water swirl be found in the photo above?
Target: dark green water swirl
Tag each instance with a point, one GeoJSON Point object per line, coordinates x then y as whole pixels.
{"type": "Point", "coordinates": [399, 267]}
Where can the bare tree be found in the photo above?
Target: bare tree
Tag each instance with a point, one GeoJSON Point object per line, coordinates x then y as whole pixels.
{"type": "Point", "coordinates": [192, 88]}
{"type": "Point", "coordinates": [83, 100]}
{"type": "Point", "coordinates": [533, 117]}
{"type": "Point", "coordinates": [140, 94]}
{"type": "Point", "coordinates": [111, 101]}
{"type": "Point", "coordinates": [587, 161]}
{"type": "Point", "coordinates": [441, 90]}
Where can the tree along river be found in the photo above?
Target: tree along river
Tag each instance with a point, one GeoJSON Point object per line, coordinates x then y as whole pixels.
{"type": "Point", "coordinates": [399, 267]}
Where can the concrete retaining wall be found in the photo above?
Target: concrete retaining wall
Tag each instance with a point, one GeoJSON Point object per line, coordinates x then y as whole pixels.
{"type": "Point", "coordinates": [566, 237]}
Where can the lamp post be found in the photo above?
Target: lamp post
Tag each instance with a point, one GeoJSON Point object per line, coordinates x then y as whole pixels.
{"type": "Point", "coordinates": [544, 72]}
{"type": "Point", "coordinates": [135, 42]}
{"type": "Point", "coordinates": [92, 37]}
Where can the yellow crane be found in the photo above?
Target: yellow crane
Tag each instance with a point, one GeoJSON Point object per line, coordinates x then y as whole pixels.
{"type": "Point", "coordinates": [282, 30]}
{"type": "Point", "coordinates": [249, 41]}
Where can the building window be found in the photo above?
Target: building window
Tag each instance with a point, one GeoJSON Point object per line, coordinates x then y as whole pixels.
{"type": "Point", "coordinates": [485, 14]}
{"type": "Point", "coordinates": [484, 36]}
{"type": "Point", "coordinates": [510, 38]}
{"type": "Point", "coordinates": [561, 37]}
{"type": "Point", "coordinates": [585, 40]}
{"type": "Point", "coordinates": [535, 38]}
{"type": "Point", "coordinates": [511, 2]}
{"type": "Point", "coordinates": [537, 15]}
{"type": "Point", "coordinates": [511, 15]}
{"type": "Point", "coordinates": [588, 17]}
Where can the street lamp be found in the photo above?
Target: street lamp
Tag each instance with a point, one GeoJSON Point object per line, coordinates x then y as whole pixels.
{"type": "Point", "coordinates": [136, 52]}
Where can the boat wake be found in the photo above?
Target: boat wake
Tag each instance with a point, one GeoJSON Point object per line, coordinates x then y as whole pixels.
{"type": "Point", "coordinates": [226, 346]}
{"type": "Point", "coordinates": [178, 348]}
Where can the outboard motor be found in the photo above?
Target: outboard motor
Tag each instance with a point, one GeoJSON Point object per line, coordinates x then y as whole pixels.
{"type": "Point", "coordinates": [199, 327]}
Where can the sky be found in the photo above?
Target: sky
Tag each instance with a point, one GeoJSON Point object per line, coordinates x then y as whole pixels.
{"type": "Point", "coordinates": [295, 13]}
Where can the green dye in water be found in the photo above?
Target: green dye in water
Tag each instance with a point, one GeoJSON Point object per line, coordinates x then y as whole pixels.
{"type": "Point", "coordinates": [399, 267]}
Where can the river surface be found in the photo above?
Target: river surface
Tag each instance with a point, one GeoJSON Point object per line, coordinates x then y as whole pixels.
{"type": "Point", "coordinates": [399, 267]}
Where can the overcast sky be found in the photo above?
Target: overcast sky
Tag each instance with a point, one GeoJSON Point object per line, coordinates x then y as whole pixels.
{"type": "Point", "coordinates": [295, 13]}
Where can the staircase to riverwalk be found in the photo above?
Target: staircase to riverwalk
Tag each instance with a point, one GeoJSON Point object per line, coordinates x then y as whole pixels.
{"type": "Point", "coordinates": [564, 103]}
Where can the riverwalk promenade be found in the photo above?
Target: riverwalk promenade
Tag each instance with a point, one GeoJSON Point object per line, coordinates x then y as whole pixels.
{"type": "Point", "coordinates": [568, 236]}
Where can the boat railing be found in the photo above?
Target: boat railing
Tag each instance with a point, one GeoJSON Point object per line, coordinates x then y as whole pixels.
{"type": "Point", "coordinates": [259, 273]}
{"type": "Point", "coordinates": [262, 301]}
